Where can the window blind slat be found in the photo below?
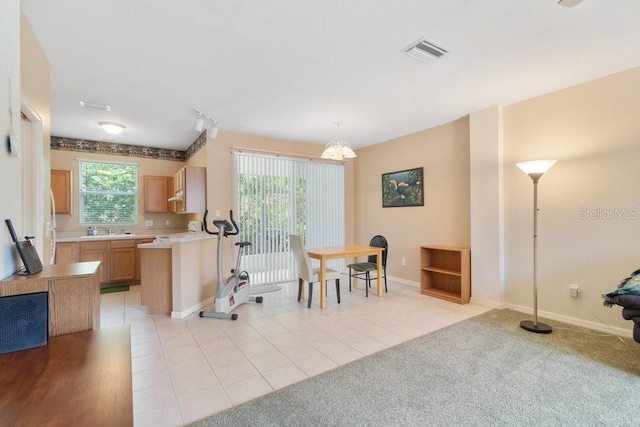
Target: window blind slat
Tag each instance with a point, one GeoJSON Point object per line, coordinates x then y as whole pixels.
{"type": "Point", "coordinates": [276, 197]}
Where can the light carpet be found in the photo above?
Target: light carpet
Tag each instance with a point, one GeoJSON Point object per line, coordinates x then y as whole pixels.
{"type": "Point", "coordinates": [485, 371]}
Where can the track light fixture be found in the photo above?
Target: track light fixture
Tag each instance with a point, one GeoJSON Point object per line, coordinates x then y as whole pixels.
{"type": "Point", "coordinates": [203, 121]}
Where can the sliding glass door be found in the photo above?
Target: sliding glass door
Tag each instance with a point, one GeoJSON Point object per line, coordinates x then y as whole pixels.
{"type": "Point", "coordinates": [276, 197]}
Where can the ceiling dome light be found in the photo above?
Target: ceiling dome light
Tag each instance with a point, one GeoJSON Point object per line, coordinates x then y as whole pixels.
{"type": "Point", "coordinates": [112, 128]}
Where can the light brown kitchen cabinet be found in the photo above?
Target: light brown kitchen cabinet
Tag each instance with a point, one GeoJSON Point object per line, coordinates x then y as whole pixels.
{"type": "Point", "coordinates": [96, 251]}
{"type": "Point", "coordinates": [156, 194]}
{"type": "Point", "coordinates": [61, 189]}
{"type": "Point", "coordinates": [189, 186]}
{"type": "Point", "coordinates": [122, 260]}
{"type": "Point", "coordinates": [172, 191]}
{"type": "Point", "coordinates": [66, 252]}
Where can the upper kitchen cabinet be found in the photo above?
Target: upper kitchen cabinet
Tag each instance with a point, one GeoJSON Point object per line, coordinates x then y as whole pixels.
{"type": "Point", "coordinates": [61, 189]}
{"type": "Point", "coordinates": [156, 193]}
{"type": "Point", "coordinates": [189, 186]}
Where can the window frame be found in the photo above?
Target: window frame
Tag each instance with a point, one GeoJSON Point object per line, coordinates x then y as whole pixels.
{"type": "Point", "coordinates": [81, 192]}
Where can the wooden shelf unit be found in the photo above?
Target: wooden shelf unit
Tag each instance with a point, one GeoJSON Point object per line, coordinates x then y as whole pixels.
{"type": "Point", "coordinates": [446, 273]}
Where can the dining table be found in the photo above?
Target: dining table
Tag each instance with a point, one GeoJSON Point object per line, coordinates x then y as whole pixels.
{"type": "Point", "coordinates": [338, 252]}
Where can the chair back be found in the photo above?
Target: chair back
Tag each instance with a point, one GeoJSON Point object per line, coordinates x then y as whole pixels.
{"type": "Point", "coordinates": [305, 270]}
{"type": "Point", "coordinates": [379, 242]}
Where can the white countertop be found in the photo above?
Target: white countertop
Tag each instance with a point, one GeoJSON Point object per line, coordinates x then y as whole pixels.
{"type": "Point", "coordinates": [104, 237]}
{"type": "Point", "coordinates": [174, 237]}
{"type": "Point", "coordinates": [166, 241]}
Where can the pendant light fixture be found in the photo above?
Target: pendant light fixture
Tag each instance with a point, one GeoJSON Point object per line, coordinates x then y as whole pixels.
{"type": "Point", "coordinates": [338, 149]}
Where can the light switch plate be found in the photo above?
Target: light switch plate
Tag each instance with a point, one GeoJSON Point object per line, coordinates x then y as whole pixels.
{"type": "Point", "coordinates": [149, 223]}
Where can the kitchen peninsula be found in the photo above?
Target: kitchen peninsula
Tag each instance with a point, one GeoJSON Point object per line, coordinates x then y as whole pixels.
{"type": "Point", "coordinates": [177, 273]}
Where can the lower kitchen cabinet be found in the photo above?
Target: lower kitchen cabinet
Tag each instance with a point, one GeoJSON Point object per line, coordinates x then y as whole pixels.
{"type": "Point", "coordinates": [67, 252]}
{"type": "Point", "coordinates": [122, 255]}
{"type": "Point", "coordinates": [96, 251]}
{"type": "Point", "coordinates": [119, 258]}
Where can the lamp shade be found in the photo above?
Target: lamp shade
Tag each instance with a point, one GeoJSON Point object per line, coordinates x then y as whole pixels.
{"type": "Point", "coordinates": [198, 124]}
{"type": "Point", "coordinates": [212, 132]}
{"type": "Point", "coordinates": [536, 166]}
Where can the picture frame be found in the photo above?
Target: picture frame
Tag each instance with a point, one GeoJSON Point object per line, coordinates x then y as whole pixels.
{"type": "Point", "coordinates": [403, 188]}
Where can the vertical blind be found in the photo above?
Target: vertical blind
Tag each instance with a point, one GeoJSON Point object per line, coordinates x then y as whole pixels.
{"type": "Point", "coordinates": [278, 196]}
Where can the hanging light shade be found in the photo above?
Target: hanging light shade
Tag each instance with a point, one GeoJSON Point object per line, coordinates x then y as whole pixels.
{"type": "Point", "coordinates": [338, 149]}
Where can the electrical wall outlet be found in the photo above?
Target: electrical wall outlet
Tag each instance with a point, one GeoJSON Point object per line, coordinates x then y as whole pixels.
{"type": "Point", "coordinates": [167, 222]}
{"type": "Point", "coordinates": [404, 262]}
{"type": "Point", "coordinates": [574, 290]}
{"type": "Point", "coordinates": [149, 223]}
{"type": "Point", "coordinates": [217, 213]}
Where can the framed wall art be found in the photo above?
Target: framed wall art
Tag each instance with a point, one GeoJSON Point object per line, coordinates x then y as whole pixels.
{"type": "Point", "coordinates": [403, 188]}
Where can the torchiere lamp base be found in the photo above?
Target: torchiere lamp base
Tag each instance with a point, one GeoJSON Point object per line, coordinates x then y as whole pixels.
{"type": "Point", "coordinates": [540, 328]}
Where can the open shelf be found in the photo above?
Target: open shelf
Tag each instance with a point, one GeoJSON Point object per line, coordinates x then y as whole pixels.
{"type": "Point", "coordinates": [446, 273]}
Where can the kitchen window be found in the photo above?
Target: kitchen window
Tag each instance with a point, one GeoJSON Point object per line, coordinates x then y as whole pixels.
{"type": "Point", "coordinates": [108, 193]}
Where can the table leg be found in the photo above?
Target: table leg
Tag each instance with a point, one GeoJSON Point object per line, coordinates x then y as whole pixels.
{"type": "Point", "coordinates": [323, 284]}
{"type": "Point", "coordinates": [379, 280]}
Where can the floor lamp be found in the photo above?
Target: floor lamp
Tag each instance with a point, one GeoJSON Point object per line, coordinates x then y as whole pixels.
{"type": "Point", "coordinates": [535, 169]}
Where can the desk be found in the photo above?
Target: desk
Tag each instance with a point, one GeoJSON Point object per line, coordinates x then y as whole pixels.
{"type": "Point", "coordinates": [79, 379]}
{"type": "Point", "coordinates": [338, 252]}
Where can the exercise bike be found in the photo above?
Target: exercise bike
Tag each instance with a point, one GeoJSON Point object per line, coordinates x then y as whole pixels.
{"type": "Point", "coordinates": [235, 290]}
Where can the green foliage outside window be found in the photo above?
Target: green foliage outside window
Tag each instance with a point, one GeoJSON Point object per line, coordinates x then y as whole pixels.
{"type": "Point", "coordinates": [265, 211]}
{"type": "Point", "coordinates": [108, 193]}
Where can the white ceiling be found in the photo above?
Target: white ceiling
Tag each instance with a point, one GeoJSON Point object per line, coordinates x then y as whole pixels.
{"type": "Point", "coordinates": [289, 69]}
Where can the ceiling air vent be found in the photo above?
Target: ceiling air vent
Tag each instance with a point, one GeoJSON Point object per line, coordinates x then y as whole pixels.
{"type": "Point", "coordinates": [425, 50]}
{"type": "Point", "coordinates": [95, 106]}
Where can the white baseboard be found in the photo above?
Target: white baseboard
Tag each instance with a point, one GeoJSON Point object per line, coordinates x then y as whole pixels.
{"type": "Point", "coordinates": [597, 326]}
{"type": "Point", "coordinates": [614, 330]}
{"type": "Point", "coordinates": [403, 281]}
{"type": "Point", "coordinates": [192, 309]}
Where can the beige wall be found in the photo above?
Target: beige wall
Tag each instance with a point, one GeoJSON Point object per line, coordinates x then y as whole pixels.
{"type": "Point", "coordinates": [593, 131]}
{"type": "Point", "coordinates": [444, 219]}
{"type": "Point", "coordinates": [219, 171]}
{"type": "Point", "coordinates": [34, 75]}
{"type": "Point", "coordinates": [70, 224]}
{"type": "Point", "coordinates": [28, 67]}
{"type": "Point", "coordinates": [589, 209]}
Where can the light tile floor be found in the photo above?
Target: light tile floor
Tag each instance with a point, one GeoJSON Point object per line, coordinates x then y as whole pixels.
{"type": "Point", "coordinates": [185, 370]}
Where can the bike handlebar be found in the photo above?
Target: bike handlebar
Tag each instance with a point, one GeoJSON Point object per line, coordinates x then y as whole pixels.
{"type": "Point", "coordinates": [230, 229]}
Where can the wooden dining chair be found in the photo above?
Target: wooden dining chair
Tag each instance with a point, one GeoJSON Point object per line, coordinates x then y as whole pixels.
{"type": "Point", "coordinates": [306, 273]}
{"type": "Point", "coordinates": [360, 269]}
